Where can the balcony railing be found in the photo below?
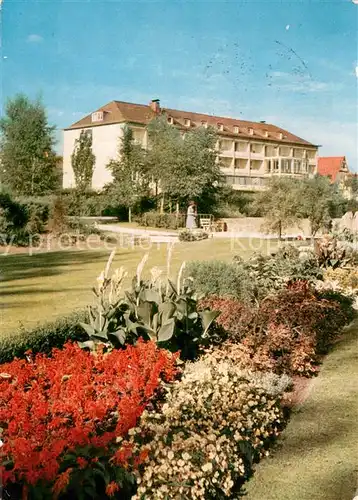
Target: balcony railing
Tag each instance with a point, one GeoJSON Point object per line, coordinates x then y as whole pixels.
{"type": "Point", "coordinates": [245, 181]}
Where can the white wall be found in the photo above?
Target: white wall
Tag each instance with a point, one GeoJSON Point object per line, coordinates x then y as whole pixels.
{"type": "Point", "coordinates": [105, 143]}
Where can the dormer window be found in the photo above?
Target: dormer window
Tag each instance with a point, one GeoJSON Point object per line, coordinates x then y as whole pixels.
{"type": "Point", "coordinates": [220, 127]}
{"type": "Point", "coordinates": [280, 136]}
{"type": "Point", "coordinates": [187, 122]}
{"type": "Point", "coordinates": [97, 116]}
{"type": "Point", "coordinates": [204, 124]}
{"type": "Point", "coordinates": [236, 130]}
{"type": "Point", "coordinates": [170, 120]}
{"type": "Point", "coordinates": [266, 134]}
{"type": "Point", "coordinates": [251, 131]}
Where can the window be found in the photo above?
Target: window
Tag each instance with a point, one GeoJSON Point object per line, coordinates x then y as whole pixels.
{"type": "Point", "coordinates": [241, 147]}
{"type": "Point", "coordinates": [285, 151]}
{"type": "Point", "coordinates": [187, 122]}
{"type": "Point", "coordinates": [236, 130]}
{"type": "Point", "coordinates": [204, 124]}
{"type": "Point", "coordinates": [97, 116]}
{"type": "Point", "coordinates": [251, 131]}
{"type": "Point", "coordinates": [170, 120]}
{"type": "Point", "coordinates": [286, 166]}
{"type": "Point", "coordinates": [256, 148]}
{"type": "Point", "coordinates": [220, 127]}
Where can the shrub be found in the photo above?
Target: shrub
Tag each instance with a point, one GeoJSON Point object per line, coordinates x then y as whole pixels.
{"type": "Point", "coordinates": [190, 235]}
{"type": "Point", "coordinates": [38, 213]}
{"type": "Point", "coordinates": [215, 422]}
{"type": "Point", "coordinates": [58, 217]}
{"type": "Point", "coordinates": [14, 220]}
{"type": "Point", "coordinates": [156, 219]}
{"type": "Point", "coordinates": [286, 332]}
{"type": "Point", "coordinates": [222, 279]}
{"type": "Point", "coordinates": [235, 317]}
{"type": "Point", "coordinates": [43, 338]}
{"type": "Point", "coordinates": [61, 417]}
{"type": "Point", "coordinates": [272, 273]}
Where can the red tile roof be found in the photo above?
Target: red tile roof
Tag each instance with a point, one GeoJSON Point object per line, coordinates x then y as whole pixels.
{"type": "Point", "coordinates": [121, 112]}
{"type": "Point", "coordinates": [332, 166]}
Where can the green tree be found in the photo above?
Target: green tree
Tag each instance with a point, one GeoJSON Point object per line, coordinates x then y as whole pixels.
{"type": "Point", "coordinates": [183, 167]}
{"type": "Point", "coordinates": [279, 204]}
{"type": "Point", "coordinates": [351, 184]}
{"type": "Point", "coordinates": [130, 180]}
{"type": "Point", "coordinates": [320, 201]}
{"type": "Point", "coordinates": [28, 162]}
{"type": "Point", "coordinates": [83, 161]}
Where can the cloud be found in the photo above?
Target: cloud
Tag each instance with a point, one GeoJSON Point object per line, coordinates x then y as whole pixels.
{"type": "Point", "coordinates": [34, 38]}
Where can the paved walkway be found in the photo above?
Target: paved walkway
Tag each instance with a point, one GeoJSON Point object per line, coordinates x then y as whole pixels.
{"type": "Point", "coordinates": [160, 236]}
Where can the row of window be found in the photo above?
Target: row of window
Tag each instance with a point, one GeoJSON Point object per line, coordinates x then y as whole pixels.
{"type": "Point", "coordinates": [236, 129]}
{"type": "Point", "coordinates": [268, 151]}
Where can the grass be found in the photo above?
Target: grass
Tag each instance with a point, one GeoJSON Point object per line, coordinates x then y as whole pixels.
{"type": "Point", "coordinates": [40, 287]}
{"type": "Point", "coordinates": [317, 458]}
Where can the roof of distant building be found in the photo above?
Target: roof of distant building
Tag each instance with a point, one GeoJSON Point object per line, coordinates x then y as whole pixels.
{"type": "Point", "coordinates": [141, 114]}
{"type": "Point", "coordinates": [332, 166]}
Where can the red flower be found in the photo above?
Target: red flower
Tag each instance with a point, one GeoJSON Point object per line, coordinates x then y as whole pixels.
{"type": "Point", "coordinates": [50, 406]}
{"type": "Point", "coordinates": [111, 489]}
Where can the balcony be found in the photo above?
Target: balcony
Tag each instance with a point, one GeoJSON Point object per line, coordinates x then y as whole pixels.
{"type": "Point", "coordinates": [246, 183]}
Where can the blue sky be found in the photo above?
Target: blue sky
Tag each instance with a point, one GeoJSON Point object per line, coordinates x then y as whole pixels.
{"type": "Point", "coordinates": [292, 63]}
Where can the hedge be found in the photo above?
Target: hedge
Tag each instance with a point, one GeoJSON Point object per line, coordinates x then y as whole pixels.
{"type": "Point", "coordinates": [44, 337]}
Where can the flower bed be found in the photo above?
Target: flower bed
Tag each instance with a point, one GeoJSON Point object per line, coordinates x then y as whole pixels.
{"type": "Point", "coordinates": [215, 423]}
{"type": "Point", "coordinates": [60, 415]}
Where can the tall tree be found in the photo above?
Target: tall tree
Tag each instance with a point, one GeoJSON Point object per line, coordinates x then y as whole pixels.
{"type": "Point", "coordinates": [28, 162]}
{"type": "Point", "coordinates": [183, 167]}
{"type": "Point", "coordinates": [320, 201]}
{"type": "Point", "coordinates": [279, 204]}
{"type": "Point", "coordinates": [83, 161]}
{"type": "Point", "coordinates": [130, 180]}
{"type": "Point", "coordinates": [165, 149]}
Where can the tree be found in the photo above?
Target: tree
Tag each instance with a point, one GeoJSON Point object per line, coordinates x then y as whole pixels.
{"type": "Point", "coordinates": [130, 180]}
{"type": "Point", "coordinates": [83, 161]}
{"type": "Point", "coordinates": [351, 184]}
{"type": "Point", "coordinates": [183, 167]}
{"type": "Point", "coordinates": [279, 204]}
{"type": "Point", "coordinates": [320, 201]}
{"type": "Point", "coordinates": [27, 158]}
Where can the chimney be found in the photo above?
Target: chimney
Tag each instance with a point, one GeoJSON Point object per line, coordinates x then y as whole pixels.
{"type": "Point", "coordinates": [155, 105]}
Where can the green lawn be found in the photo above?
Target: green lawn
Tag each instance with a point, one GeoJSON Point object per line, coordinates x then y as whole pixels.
{"type": "Point", "coordinates": [37, 288]}
{"type": "Point", "coordinates": [317, 458]}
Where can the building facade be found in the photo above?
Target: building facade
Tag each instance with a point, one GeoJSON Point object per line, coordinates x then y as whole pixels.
{"type": "Point", "coordinates": [249, 152]}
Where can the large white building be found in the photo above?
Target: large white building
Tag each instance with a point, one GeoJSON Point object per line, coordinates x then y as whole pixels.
{"type": "Point", "coordinates": [250, 152]}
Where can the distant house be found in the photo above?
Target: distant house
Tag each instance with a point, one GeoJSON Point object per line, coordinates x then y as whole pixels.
{"type": "Point", "coordinates": [250, 152]}
{"type": "Point", "coordinates": [336, 169]}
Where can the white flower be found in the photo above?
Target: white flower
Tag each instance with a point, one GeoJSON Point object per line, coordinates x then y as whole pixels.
{"type": "Point", "coordinates": [208, 467]}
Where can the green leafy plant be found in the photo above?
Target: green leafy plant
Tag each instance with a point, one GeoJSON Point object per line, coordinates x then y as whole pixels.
{"type": "Point", "coordinates": [334, 253]}
{"type": "Point", "coordinates": [152, 309]}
